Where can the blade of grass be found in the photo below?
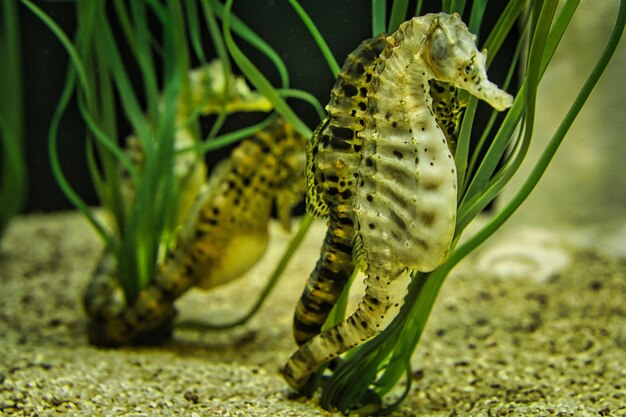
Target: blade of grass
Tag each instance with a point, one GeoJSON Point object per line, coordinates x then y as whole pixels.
{"type": "Point", "coordinates": [455, 6]}
{"type": "Point", "coordinates": [258, 79]}
{"type": "Point", "coordinates": [222, 54]}
{"type": "Point", "coordinates": [418, 7]}
{"type": "Point", "coordinates": [476, 17]}
{"type": "Point", "coordinates": [128, 98]}
{"type": "Point", "coordinates": [57, 171]}
{"type": "Point", "coordinates": [13, 175]}
{"type": "Point", "coordinates": [502, 27]}
{"type": "Point", "coordinates": [304, 96]}
{"type": "Point", "coordinates": [476, 152]}
{"type": "Point", "coordinates": [379, 16]}
{"type": "Point", "coordinates": [143, 53]}
{"type": "Point", "coordinates": [62, 37]}
{"type": "Point", "coordinates": [229, 138]}
{"type": "Point", "coordinates": [77, 70]}
{"type": "Point", "coordinates": [193, 27]}
{"type": "Point", "coordinates": [243, 31]}
{"type": "Point", "coordinates": [399, 9]}
{"type": "Point", "coordinates": [338, 312]}
{"type": "Point", "coordinates": [317, 36]}
{"type": "Point", "coordinates": [461, 154]}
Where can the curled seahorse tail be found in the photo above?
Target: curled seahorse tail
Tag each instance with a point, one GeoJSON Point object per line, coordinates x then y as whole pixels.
{"type": "Point", "coordinates": [383, 299]}
{"type": "Point", "coordinates": [149, 321]}
{"type": "Point", "coordinates": [113, 322]}
{"type": "Point", "coordinates": [328, 279]}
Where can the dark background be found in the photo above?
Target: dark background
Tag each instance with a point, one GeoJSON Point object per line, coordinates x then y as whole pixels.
{"type": "Point", "coordinates": [343, 23]}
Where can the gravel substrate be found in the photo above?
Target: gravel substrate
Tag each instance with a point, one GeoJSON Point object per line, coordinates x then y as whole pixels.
{"type": "Point", "coordinates": [516, 345]}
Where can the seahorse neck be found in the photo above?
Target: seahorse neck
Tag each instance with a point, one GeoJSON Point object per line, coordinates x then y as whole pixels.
{"type": "Point", "coordinates": [403, 70]}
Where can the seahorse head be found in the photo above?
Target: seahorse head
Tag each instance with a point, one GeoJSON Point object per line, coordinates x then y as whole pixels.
{"type": "Point", "coordinates": [449, 51]}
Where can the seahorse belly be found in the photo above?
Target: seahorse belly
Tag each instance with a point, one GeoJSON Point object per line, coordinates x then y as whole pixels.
{"type": "Point", "coordinates": [406, 199]}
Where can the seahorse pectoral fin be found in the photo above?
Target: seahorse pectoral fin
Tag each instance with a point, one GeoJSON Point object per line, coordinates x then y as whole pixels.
{"type": "Point", "coordinates": [315, 205]}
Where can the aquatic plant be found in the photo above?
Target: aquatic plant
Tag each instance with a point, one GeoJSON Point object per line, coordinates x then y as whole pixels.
{"type": "Point", "coordinates": [12, 165]}
{"type": "Point", "coordinates": [364, 375]}
{"type": "Point", "coordinates": [148, 188]}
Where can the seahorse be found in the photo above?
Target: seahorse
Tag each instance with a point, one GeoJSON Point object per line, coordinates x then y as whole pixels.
{"type": "Point", "coordinates": [332, 159]}
{"type": "Point", "coordinates": [404, 205]}
{"type": "Point", "coordinates": [226, 234]}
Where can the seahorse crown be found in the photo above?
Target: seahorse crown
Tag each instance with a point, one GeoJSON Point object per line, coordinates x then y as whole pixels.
{"type": "Point", "coordinates": [449, 52]}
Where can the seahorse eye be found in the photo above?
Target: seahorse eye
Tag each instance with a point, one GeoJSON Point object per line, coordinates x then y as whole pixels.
{"type": "Point", "coordinates": [470, 69]}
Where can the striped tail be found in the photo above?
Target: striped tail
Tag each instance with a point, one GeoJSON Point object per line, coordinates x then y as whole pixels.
{"type": "Point", "coordinates": [326, 282]}
{"type": "Point", "coordinates": [380, 305]}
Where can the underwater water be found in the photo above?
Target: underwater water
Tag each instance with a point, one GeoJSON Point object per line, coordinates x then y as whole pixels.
{"type": "Point", "coordinates": [531, 324]}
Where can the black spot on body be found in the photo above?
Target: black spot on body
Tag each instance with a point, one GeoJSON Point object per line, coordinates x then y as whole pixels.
{"type": "Point", "coordinates": [339, 132]}
{"type": "Point", "coordinates": [340, 144]}
{"type": "Point", "coordinates": [398, 154]}
{"type": "Point", "coordinates": [349, 90]}
{"type": "Point", "coordinates": [428, 218]}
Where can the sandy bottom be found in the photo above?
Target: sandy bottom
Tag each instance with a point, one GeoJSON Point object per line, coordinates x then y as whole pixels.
{"type": "Point", "coordinates": [514, 332]}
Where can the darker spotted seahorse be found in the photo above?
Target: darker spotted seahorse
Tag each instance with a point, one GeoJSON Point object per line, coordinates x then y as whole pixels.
{"type": "Point", "coordinates": [404, 204]}
{"type": "Point", "coordinates": [333, 155]}
{"type": "Point", "coordinates": [225, 235]}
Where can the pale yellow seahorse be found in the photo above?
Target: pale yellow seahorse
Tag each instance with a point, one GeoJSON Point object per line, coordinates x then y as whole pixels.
{"type": "Point", "coordinates": [402, 201]}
